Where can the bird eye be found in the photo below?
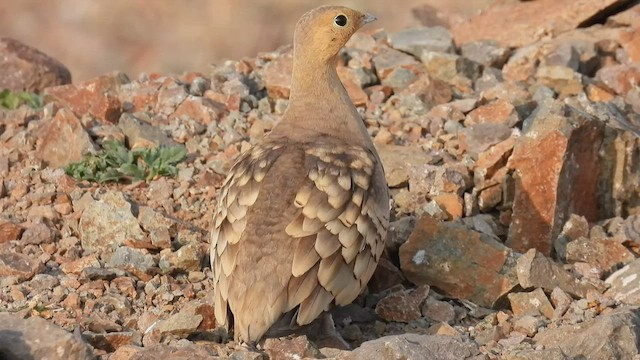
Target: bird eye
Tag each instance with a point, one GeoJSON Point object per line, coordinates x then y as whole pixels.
{"type": "Point", "coordinates": [341, 20]}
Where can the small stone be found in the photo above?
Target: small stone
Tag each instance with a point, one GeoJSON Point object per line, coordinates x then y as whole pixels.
{"type": "Point", "coordinates": [63, 140]}
{"type": "Point", "coordinates": [460, 262]}
{"type": "Point", "coordinates": [297, 348]}
{"type": "Point", "coordinates": [478, 138]}
{"type": "Point", "coordinates": [531, 303]}
{"type": "Point", "coordinates": [78, 265]}
{"type": "Point", "coordinates": [402, 306]}
{"type": "Point", "coordinates": [417, 40]}
{"type": "Point", "coordinates": [438, 310]}
{"type": "Point", "coordinates": [23, 68]}
{"type": "Point", "coordinates": [488, 335]}
{"type": "Point", "coordinates": [107, 223]}
{"type": "Point", "coordinates": [486, 52]}
{"type": "Point", "coordinates": [97, 97]}
{"type": "Point", "coordinates": [386, 276]}
{"type": "Point", "coordinates": [388, 60]}
{"type": "Point", "coordinates": [528, 325]}
{"type": "Point", "coordinates": [575, 227]}
{"type": "Point", "coordinates": [187, 258]}
{"type": "Point", "coordinates": [141, 134]}
{"type": "Point", "coordinates": [399, 160]}
{"type": "Point", "coordinates": [451, 203]}
{"type": "Point", "coordinates": [621, 78]}
{"type": "Point", "coordinates": [21, 266]}
{"type": "Point", "coordinates": [561, 302]}
{"type": "Point", "coordinates": [442, 329]}
{"type": "Point", "coordinates": [112, 341]}
{"type": "Point", "coordinates": [499, 111]}
{"type": "Point", "coordinates": [277, 75]}
{"type": "Point", "coordinates": [10, 231]}
{"type": "Point", "coordinates": [136, 261]}
{"type": "Point", "coordinates": [159, 227]}
{"type": "Point", "coordinates": [536, 270]}
{"type": "Point", "coordinates": [176, 326]}
{"type": "Point", "coordinates": [37, 234]}
{"type": "Point", "coordinates": [44, 282]}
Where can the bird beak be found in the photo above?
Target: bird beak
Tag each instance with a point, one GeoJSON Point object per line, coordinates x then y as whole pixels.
{"type": "Point", "coordinates": [368, 18]}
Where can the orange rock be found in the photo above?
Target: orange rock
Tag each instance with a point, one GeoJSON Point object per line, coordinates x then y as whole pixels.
{"type": "Point", "coordinates": [9, 231]}
{"type": "Point", "coordinates": [348, 78]}
{"type": "Point", "coordinates": [556, 173]}
{"type": "Point", "coordinates": [63, 140]}
{"type": "Point", "coordinates": [459, 262]}
{"type": "Point", "coordinates": [499, 111]}
{"type": "Point", "coordinates": [451, 203]}
{"type": "Point", "coordinates": [97, 97]}
{"type": "Point", "coordinates": [630, 41]}
{"type": "Point", "coordinates": [277, 76]}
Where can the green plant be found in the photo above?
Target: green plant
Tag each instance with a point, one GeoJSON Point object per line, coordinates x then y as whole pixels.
{"type": "Point", "coordinates": [13, 100]}
{"type": "Point", "coordinates": [114, 162]}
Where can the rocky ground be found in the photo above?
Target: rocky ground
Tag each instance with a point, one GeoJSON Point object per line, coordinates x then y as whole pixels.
{"type": "Point", "coordinates": [510, 142]}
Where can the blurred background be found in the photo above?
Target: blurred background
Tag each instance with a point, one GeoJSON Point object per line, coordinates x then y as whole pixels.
{"type": "Point", "coordinates": [174, 36]}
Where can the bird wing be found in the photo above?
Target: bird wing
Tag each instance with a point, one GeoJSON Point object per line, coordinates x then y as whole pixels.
{"type": "Point", "coordinates": [331, 230]}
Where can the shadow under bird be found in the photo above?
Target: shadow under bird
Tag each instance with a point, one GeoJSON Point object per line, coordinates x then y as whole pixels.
{"type": "Point", "coordinates": [302, 217]}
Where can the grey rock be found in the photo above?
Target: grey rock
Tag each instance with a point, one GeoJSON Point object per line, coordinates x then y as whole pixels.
{"type": "Point", "coordinates": [545, 354]}
{"type": "Point", "coordinates": [625, 284]}
{"type": "Point", "coordinates": [187, 258]}
{"type": "Point", "coordinates": [490, 77]}
{"type": "Point", "coordinates": [611, 336]}
{"type": "Point", "coordinates": [480, 137]}
{"type": "Point", "coordinates": [417, 40]}
{"type": "Point", "coordinates": [536, 270]}
{"type": "Point", "coordinates": [399, 79]}
{"type": "Point", "coordinates": [414, 347]}
{"type": "Point", "coordinates": [36, 338]}
{"type": "Point", "coordinates": [107, 223]}
{"type": "Point", "coordinates": [37, 234]}
{"type": "Point", "coordinates": [129, 259]}
{"type": "Point", "coordinates": [141, 134]}
{"type": "Point", "coordinates": [198, 86]}
{"type": "Point", "coordinates": [486, 52]}
{"type": "Point", "coordinates": [44, 282]}
{"type": "Point", "coordinates": [160, 228]}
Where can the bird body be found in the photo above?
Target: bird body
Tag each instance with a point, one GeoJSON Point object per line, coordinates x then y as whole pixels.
{"type": "Point", "coordinates": [302, 217]}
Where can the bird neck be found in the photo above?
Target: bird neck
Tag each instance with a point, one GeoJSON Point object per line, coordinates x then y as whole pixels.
{"type": "Point", "coordinates": [319, 103]}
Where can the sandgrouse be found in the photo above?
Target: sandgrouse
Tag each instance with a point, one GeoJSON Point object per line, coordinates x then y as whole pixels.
{"type": "Point", "coordinates": [302, 216]}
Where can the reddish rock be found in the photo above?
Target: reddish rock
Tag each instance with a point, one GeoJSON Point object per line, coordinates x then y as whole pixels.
{"type": "Point", "coordinates": [403, 305]}
{"type": "Point", "coordinates": [23, 68]}
{"type": "Point", "coordinates": [350, 82]}
{"type": "Point", "coordinates": [607, 254]}
{"type": "Point", "coordinates": [111, 341]}
{"type": "Point", "coordinates": [63, 140]}
{"type": "Point", "coordinates": [19, 265]}
{"type": "Point", "coordinates": [556, 173]}
{"type": "Point", "coordinates": [97, 97]}
{"type": "Point", "coordinates": [76, 266]}
{"type": "Point", "coordinates": [529, 21]}
{"type": "Point", "coordinates": [452, 204]}
{"type": "Point", "coordinates": [492, 160]}
{"type": "Point", "coordinates": [277, 76]}
{"type": "Point", "coordinates": [598, 93]}
{"type": "Point", "coordinates": [398, 161]}
{"type": "Point", "coordinates": [621, 78]}
{"type": "Point", "coordinates": [438, 310]}
{"type": "Point", "coordinates": [489, 198]}
{"type": "Point", "coordinates": [9, 231]}
{"type": "Point", "coordinates": [201, 109]}
{"type": "Point", "coordinates": [630, 41]}
{"type": "Point", "coordinates": [497, 112]}
{"type": "Point", "coordinates": [460, 262]}
{"type": "Point", "coordinates": [298, 347]}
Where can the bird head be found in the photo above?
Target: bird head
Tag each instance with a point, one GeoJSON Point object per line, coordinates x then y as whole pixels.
{"type": "Point", "coordinates": [323, 31]}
